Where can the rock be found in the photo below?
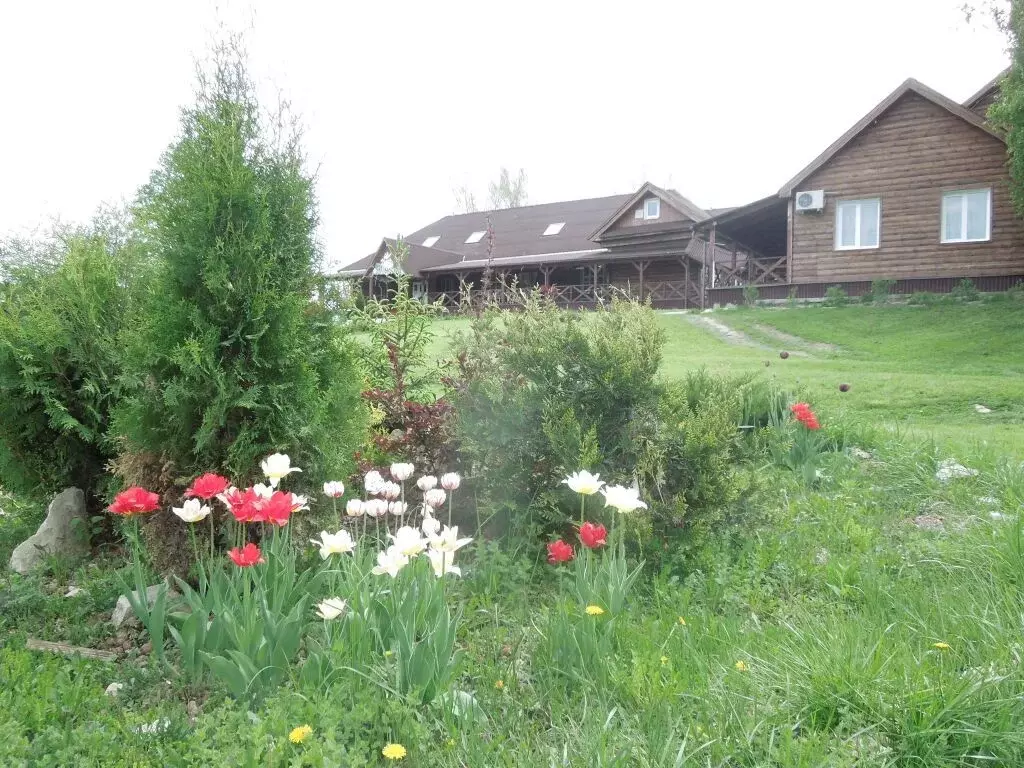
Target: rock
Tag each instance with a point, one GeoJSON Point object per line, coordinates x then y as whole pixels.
{"type": "Point", "coordinates": [73, 591]}
{"type": "Point", "coordinates": [113, 689]}
{"type": "Point", "coordinates": [192, 708]}
{"type": "Point", "coordinates": [64, 533]}
{"type": "Point", "coordinates": [997, 515]}
{"type": "Point", "coordinates": [123, 610]}
{"type": "Point", "coordinates": [951, 468]}
{"type": "Point", "coordinates": [844, 387]}
{"type": "Point", "coordinates": [146, 649]}
{"type": "Point", "coordinates": [859, 453]}
{"type": "Point", "coordinates": [784, 354]}
{"type": "Point", "coordinates": [981, 408]}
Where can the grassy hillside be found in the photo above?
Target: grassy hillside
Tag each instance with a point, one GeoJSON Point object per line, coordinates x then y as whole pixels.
{"type": "Point", "coordinates": [909, 368]}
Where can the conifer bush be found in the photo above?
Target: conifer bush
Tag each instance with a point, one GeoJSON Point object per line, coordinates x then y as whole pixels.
{"type": "Point", "coordinates": [235, 358]}
{"type": "Point", "coordinates": [61, 362]}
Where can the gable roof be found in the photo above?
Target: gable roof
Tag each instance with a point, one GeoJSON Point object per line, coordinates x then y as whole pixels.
{"type": "Point", "coordinates": [909, 86]}
{"type": "Point", "coordinates": [669, 196]}
{"type": "Point", "coordinates": [987, 88]}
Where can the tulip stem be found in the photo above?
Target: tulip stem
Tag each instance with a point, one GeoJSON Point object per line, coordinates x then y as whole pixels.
{"type": "Point", "coordinates": [450, 509]}
{"type": "Point", "coordinates": [212, 539]}
{"type": "Point", "coordinates": [583, 507]}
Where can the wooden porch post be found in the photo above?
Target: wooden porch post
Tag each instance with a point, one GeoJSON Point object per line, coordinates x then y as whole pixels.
{"type": "Point", "coordinates": [462, 287]}
{"type": "Point", "coordinates": [546, 271]}
{"type": "Point", "coordinates": [686, 287]}
{"type": "Point", "coordinates": [789, 241]}
{"type": "Point", "coordinates": [371, 285]}
{"type": "Point", "coordinates": [641, 267]}
{"type": "Point", "coordinates": [704, 266]}
{"type": "Point", "coordinates": [595, 268]}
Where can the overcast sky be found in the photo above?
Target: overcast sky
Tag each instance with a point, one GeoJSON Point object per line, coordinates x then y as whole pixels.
{"type": "Point", "coordinates": [403, 102]}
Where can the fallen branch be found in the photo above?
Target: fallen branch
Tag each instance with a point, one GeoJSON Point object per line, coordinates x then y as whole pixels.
{"type": "Point", "coordinates": [69, 650]}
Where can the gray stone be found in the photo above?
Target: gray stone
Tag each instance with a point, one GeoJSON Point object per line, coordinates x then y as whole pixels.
{"type": "Point", "coordinates": [113, 689]}
{"type": "Point", "coordinates": [64, 533]}
{"type": "Point", "coordinates": [123, 610]}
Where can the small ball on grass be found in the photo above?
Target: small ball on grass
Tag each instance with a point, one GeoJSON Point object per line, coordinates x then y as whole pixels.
{"type": "Point", "coordinates": [844, 387]}
{"type": "Point", "coordinates": [783, 354]}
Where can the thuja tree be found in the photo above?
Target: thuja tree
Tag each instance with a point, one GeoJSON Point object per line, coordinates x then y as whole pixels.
{"type": "Point", "coordinates": [1008, 111]}
{"type": "Point", "coordinates": [236, 358]}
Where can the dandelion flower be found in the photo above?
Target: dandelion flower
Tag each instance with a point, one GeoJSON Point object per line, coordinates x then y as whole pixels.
{"type": "Point", "coordinates": [941, 646]}
{"type": "Point", "coordinates": [682, 622]}
{"type": "Point", "coordinates": [300, 734]}
{"type": "Point", "coordinates": [499, 684]}
{"type": "Point", "coordinates": [741, 666]}
{"type": "Point", "coordinates": [664, 660]}
{"type": "Point", "coordinates": [394, 752]}
{"type": "Point", "coordinates": [594, 610]}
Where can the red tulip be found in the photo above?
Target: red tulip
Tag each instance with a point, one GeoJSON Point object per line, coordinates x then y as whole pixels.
{"type": "Point", "coordinates": [593, 536]}
{"type": "Point", "coordinates": [246, 556]}
{"type": "Point", "coordinates": [278, 508]}
{"type": "Point", "coordinates": [559, 552]}
{"type": "Point", "coordinates": [802, 412]}
{"type": "Point", "coordinates": [207, 486]}
{"type": "Point", "coordinates": [244, 505]}
{"type": "Point", "coordinates": [134, 501]}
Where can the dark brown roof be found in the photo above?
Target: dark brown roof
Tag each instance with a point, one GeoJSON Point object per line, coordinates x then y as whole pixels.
{"type": "Point", "coordinates": [517, 232]}
{"type": "Point", "coordinates": [987, 88]}
{"type": "Point", "coordinates": [909, 86]}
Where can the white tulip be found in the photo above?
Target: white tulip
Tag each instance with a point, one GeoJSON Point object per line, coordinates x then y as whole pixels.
{"type": "Point", "coordinates": [584, 483]}
{"type": "Point", "coordinates": [276, 466]}
{"type": "Point", "coordinates": [354, 508]}
{"type": "Point", "coordinates": [391, 491]}
{"type": "Point", "coordinates": [402, 472]}
{"type": "Point", "coordinates": [623, 499]}
{"type": "Point", "coordinates": [299, 503]}
{"type": "Point", "coordinates": [443, 562]}
{"type": "Point", "coordinates": [263, 491]}
{"type": "Point", "coordinates": [376, 508]}
{"type": "Point", "coordinates": [398, 508]}
{"type": "Point", "coordinates": [390, 561]}
{"type": "Point", "coordinates": [192, 511]}
{"type": "Point", "coordinates": [430, 525]}
{"type": "Point", "coordinates": [448, 540]}
{"type": "Point", "coordinates": [334, 488]}
{"type": "Point", "coordinates": [450, 481]}
{"type": "Point", "coordinates": [426, 482]}
{"type": "Point", "coordinates": [408, 541]}
{"type": "Point", "coordinates": [434, 497]}
{"type": "Point", "coordinates": [373, 482]}
{"type": "Point", "coordinates": [331, 608]}
{"type": "Point", "coordinates": [339, 543]}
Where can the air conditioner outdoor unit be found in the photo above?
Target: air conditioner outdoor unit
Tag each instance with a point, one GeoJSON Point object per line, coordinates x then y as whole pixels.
{"type": "Point", "coordinates": [810, 200]}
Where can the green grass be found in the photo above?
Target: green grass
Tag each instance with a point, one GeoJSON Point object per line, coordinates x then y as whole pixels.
{"type": "Point", "coordinates": [910, 368]}
{"type": "Point", "coordinates": [834, 602]}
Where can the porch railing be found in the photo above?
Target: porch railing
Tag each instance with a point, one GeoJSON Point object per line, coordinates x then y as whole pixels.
{"type": "Point", "coordinates": [675, 293]}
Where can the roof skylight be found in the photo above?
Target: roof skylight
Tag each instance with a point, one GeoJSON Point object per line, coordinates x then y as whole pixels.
{"type": "Point", "coordinates": [554, 229]}
{"type": "Point", "coordinates": [476, 237]}
{"type": "Point", "coordinates": [431, 241]}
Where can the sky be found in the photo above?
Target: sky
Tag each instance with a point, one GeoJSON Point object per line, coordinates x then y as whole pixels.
{"type": "Point", "coordinates": [403, 102]}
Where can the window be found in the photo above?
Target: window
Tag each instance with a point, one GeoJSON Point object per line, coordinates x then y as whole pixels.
{"type": "Point", "coordinates": [431, 241]}
{"type": "Point", "coordinates": [554, 229]}
{"type": "Point", "coordinates": [476, 237]}
{"type": "Point", "coordinates": [857, 223]}
{"type": "Point", "coordinates": [966, 216]}
{"type": "Point", "coordinates": [652, 208]}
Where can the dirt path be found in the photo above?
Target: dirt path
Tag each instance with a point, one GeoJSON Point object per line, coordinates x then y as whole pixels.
{"type": "Point", "coordinates": [788, 338]}
{"type": "Point", "coordinates": [724, 332]}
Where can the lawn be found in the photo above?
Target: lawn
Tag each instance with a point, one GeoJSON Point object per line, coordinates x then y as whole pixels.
{"type": "Point", "coordinates": [870, 618]}
{"type": "Point", "coordinates": [920, 369]}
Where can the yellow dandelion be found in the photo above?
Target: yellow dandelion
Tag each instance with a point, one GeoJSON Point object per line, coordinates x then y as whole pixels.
{"type": "Point", "coordinates": [450, 743]}
{"type": "Point", "coordinates": [499, 684]}
{"type": "Point", "coordinates": [682, 622]}
{"type": "Point", "coordinates": [388, 654]}
{"type": "Point", "coordinates": [741, 666]}
{"type": "Point", "coordinates": [664, 660]}
{"type": "Point", "coordinates": [394, 752]}
{"type": "Point", "coordinates": [941, 646]}
{"type": "Point", "coordinates": [594, 610]}
{"type": "Point", "coordinates": [300, 734]}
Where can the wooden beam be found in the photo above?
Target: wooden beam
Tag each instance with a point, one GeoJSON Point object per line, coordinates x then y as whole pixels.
{"type": "Point", "coordinates": [686, 288]}
{"type": "Point", "coordinates": [34, 644]}
{"type": "Point", "coordinates": [789, 241]}
{"type": "Point", "coordinates": [641, 267]}
{"type": "Point", "coordinates": [546, 271]}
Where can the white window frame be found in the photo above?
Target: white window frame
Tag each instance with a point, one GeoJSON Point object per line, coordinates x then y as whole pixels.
{"type": "Point", "coordinates": [657, 208]}
{"type": "Point", "coordinates": [553, 229]}
{"type": "Point", "coordinates": [476, 237]}
{"type": "Point", "coordinates": [839, 224]}
{"type": "Point", "coordinates": [962, 193]}
{"type": "Point", "coordinates": [431, 241]}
